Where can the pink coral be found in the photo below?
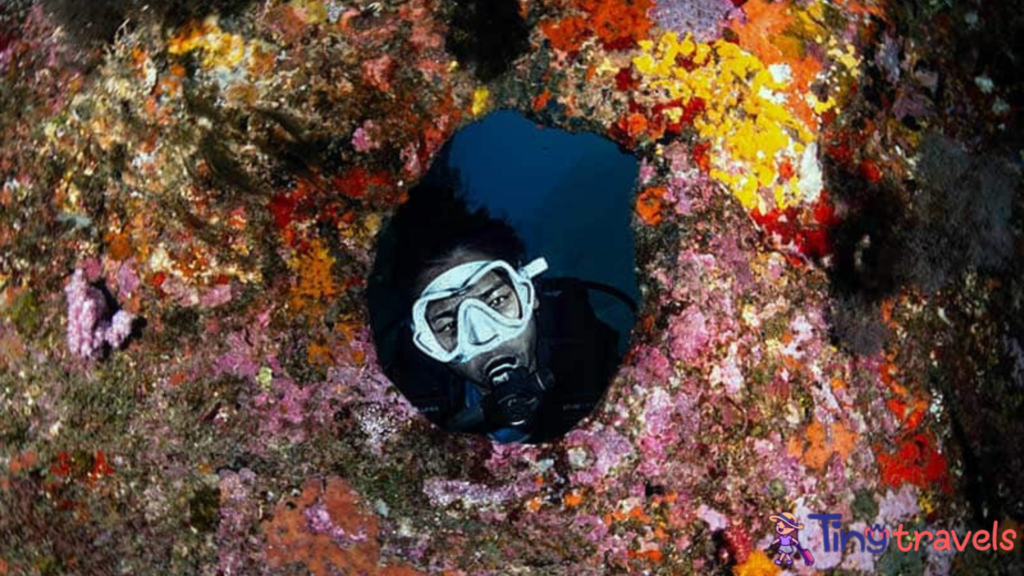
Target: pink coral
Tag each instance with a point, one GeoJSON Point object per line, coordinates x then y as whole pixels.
{"type": "Point", "coordinates": [283, 409]}
{"type": "Point", "coordinates": [652, 366]}
{"type": "Point", "coordinates": [319, 521]}
{"type": "Point", "coordinates": [216, 296]}
{"type": "Point", "coordinates": [127, 279]}
{"type": "Point", "coordinates": [715, 520]}
{"type": "Point", "coordinates": [244, 348]}
{"type": "Point", "coordinates": [89, 325]}
{"type": "Point", "coordinates": [898, 506]}
{"type": "Point", "coordinates": [365, 138]}
{"type": "Point", "coordinates": [668, 422]}
{"type": "Point", "coordinates": [377, 72]}
{"type": "Point", "coordinates": [688, 335]}
{"type": "Point", "coordinates": [239, 510]}
{"type": "Point", "coordinates": [609, 449]}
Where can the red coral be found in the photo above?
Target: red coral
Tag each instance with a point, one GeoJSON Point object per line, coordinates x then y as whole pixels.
{"type": "Point", "coordinates": [100, 468]}
{"type": "Point", "coordinates": [618, 23]}
{"type": "Point", "coordinates": [810, 239]}
{"type": "Point", "coordinates": [566, 34]}
{"type": "Point", "coordinates": [62, 467]}
{"type": "Point", "coordinates": [737, 541]}
{"type": "Point", "coordinates": [285, 205]}
{"type": "Point", "coordinates": [916, 461]}
{"type": "Point", "coordinates": [353, 183]}
{"type": "Point", "coordinates": [694, 107]}
{"type": "Point", "coordinates": [625, 81]}
{"type": "Point", "coordinates": [786, 170]}
{"type": "Point", "coordinates": [870, 171]}
{"type": "Point", "coordinates": [701, 157]}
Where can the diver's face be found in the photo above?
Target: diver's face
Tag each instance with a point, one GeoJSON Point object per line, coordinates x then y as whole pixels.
{"type": "Point", "coordinates": [496, 291]}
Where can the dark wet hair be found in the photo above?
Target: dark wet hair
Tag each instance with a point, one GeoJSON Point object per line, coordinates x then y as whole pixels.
{"type": "Point", "coordinates": [432, 224]}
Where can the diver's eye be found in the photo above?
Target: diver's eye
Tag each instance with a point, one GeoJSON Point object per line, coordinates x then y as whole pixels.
{"type": "Point", "coordinates": [498, 300]}
{"type": "Point", "coordinates": [446, 329]}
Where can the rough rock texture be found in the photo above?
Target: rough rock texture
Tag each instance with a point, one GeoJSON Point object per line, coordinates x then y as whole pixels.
{"type": "Point", "coordinates": [223, 178]}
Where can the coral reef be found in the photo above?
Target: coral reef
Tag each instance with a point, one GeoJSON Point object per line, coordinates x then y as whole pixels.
{"type": "Point", "coordinates": [828, 231]}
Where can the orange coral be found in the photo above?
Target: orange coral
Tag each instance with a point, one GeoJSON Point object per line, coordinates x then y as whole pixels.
{"type": "Point", "coordinates": [620, 24]}
{"type": "Point", "coordinates": [24, 461]}
{"type": "Point", "coordinates": [573, 499]}
{"type": "Point", "coordinates": [541, 100]}
{"type": "Point", "coordinates": [118, 245]}
{"type": "Point", "coordinates": [764, 34]}
{"type": "Point", "coordinates": [633, 124]}
{"type": "Point", "coordinates": [290, 538]}
{"type": "Point", "coordinates": [821, 445]}
{"type": "Point", "coordinates": [566, 34]}
{"type": "Point", "coordinates": [757, 564]}
{"type": "Point", "coordinates": [349, 332]}
{"type": "Point", "coordinates": [319, 354]}
{"type": "Point", "coordinates": [909, 408]}
{"type": "Point", "coordinates": [315, 284]}
{"type": "Point", "coordinates": [654, 555]}
{"type": "Point", "coordinates": [648, 205]}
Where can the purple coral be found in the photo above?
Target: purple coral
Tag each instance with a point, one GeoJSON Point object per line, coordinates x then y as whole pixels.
{"type": "Point", "coordinates": [283, 409]}
{"type": "Point", "coordinates": [89, 328]}
{"type": "Point", "coordinates": [699, 17]}
{"type": "Point", "coordinates": [609, 449]}
{"type": "Point", "coordinates": [239, 510]}
{"type": "Point", "coordinates": [688, 335]}
{"type": "Point", "coordinates": [319, 521]}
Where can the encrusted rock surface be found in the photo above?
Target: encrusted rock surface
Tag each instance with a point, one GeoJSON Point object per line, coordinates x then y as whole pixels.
{"type": "Point", "coordinates": [828, 226]}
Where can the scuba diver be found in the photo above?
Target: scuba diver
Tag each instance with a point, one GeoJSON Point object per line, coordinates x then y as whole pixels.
{"type": "Point", "coordinates": [477, 337]}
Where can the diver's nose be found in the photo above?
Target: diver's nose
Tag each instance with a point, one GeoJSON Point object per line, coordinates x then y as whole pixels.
{"type": "Point", "coordinates": [479, 328]}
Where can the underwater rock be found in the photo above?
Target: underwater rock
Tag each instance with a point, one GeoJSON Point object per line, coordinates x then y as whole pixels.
{"type": "Point", "coordinates": [235, 171]}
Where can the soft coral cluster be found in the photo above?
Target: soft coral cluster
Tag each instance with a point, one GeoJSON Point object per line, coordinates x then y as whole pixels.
{"type": "Point", "coordinates": [698, 17]}
{"type": "Point", "coordinates": [329, 530]}
{"type": "Point", "coordinates": [90, 326]}
{"type": "Point", "coordinates": [618, 24]}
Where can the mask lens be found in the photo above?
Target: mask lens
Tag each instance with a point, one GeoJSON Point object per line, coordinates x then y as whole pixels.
{"type": "Point", "coordinates": [495, 290]}
{"type": "Point", "coordinates": [504, 299]}
{"type": "Point", "coordinates": [442, 317]}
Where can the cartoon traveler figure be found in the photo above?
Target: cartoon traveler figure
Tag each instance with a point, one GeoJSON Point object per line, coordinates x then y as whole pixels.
{"type": "Point", "coordinates": [786, 527]}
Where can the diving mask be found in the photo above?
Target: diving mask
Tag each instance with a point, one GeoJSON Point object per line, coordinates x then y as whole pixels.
{"type": "Point", "coordinates": [478, 325]}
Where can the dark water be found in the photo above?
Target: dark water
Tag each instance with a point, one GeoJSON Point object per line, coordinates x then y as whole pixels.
{"type": "Point", "coordinates": [569, 195]}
